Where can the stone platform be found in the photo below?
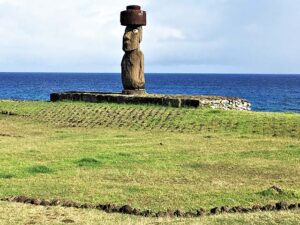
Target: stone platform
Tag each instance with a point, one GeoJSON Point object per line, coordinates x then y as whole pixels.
{"type": "Point", "coordinates": [215, 102]}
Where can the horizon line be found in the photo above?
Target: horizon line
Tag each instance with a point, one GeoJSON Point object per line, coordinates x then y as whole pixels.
{"type": "Point", "coordinates": [165, 73]}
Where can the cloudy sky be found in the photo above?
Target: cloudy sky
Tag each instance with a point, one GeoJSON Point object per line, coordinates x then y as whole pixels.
{"type": "Point", "coordinates": [215, 36]}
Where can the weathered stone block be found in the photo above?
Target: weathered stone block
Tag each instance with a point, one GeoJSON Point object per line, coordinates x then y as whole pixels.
{"type": "Point", "coordinates": [216, 102]}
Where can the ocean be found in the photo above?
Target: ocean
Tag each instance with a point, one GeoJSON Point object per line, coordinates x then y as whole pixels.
{"type": "Point", "coordinates": [273, 93]}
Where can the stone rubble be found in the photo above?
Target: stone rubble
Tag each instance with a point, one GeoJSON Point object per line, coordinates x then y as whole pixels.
{"type": "Point", "coordinates": [127, 209]}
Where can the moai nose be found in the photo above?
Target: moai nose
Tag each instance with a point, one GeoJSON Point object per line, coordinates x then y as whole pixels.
{"type": "Point", "coordinates": [127, 36]}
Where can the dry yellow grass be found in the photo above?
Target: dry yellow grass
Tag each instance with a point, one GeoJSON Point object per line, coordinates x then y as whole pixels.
{"type": "Point", "coordinates": [20, 214]}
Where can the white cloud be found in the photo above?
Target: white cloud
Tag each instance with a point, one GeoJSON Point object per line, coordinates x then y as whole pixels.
{"type": "Point", "coordinates": [181, 36]}
{"type": "Point", "coordinates": [165, 33]}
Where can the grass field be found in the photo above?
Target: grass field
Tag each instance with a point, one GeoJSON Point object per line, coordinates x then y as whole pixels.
{"type": "Point", "coordinates": [150, 157]}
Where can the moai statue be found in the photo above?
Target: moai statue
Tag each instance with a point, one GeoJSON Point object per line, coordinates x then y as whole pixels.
{"type": "Point", "coordinates": [133, 78]}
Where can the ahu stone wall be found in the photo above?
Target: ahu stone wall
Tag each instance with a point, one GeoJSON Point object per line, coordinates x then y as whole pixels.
{"type": "Point", "coordinates": [214, 102]}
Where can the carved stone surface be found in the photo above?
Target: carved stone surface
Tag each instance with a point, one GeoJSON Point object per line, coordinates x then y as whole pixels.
{"type": "Point", "coordinates": [133, 60]}
{"type": "Point", "coordinates": [133, 16]}
{"type": "Point", "coordinates": [133, 70]}
{"type": "Point", "coordinates": [133, 78]}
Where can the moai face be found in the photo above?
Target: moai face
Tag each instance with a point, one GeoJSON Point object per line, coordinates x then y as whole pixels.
{"type": "Point", "coordinates": [132, 38]}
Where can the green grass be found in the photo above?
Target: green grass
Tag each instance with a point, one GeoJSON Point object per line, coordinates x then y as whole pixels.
{"type": "Point", "coordinates": [6, 176]}
{"type": "Point", "coordinates": [146, 117]}
{"type": "Point", "coordinates": [148, 156]}
{"type": "Point", "coordinates": [39, 169]}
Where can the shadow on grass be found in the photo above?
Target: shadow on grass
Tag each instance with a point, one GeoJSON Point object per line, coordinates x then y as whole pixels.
{"type": "Point", "coordinates": [6, 176]}
{"type": "Point", "coordinates": [39, 169]}
{"type": "Point", "coordinates": [88, 162]}
{"type": "Point", "coordinates": [214, 111]}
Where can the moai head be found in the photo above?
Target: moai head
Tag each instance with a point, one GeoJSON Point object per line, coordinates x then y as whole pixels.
{"type": "Point", "coordinates": [133, 18]}
{"type": "Point", "coordinates": [132, 38]}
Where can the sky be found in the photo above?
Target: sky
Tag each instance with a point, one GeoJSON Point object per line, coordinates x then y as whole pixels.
{"type": "Point", "coordinates": [182, 36]}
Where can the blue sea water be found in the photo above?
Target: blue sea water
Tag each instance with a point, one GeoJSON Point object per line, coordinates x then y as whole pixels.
{"type": "Point", "coordinates": [277, 93]}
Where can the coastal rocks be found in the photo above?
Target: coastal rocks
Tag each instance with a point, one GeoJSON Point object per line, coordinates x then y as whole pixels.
{"type": "Point", "coordinates": [229, 103]}
{"type": "Point", "coordinates": [213, 102]}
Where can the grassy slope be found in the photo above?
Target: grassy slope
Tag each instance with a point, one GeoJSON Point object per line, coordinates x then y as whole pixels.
{"type": "Point", "coordinates": [141, 117]}
{"type": "Point", "coordinates": [148, 156]}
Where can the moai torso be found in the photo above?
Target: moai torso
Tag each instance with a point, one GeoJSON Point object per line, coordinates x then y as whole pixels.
{"type": "Point", "coordinates": [133, 70]}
